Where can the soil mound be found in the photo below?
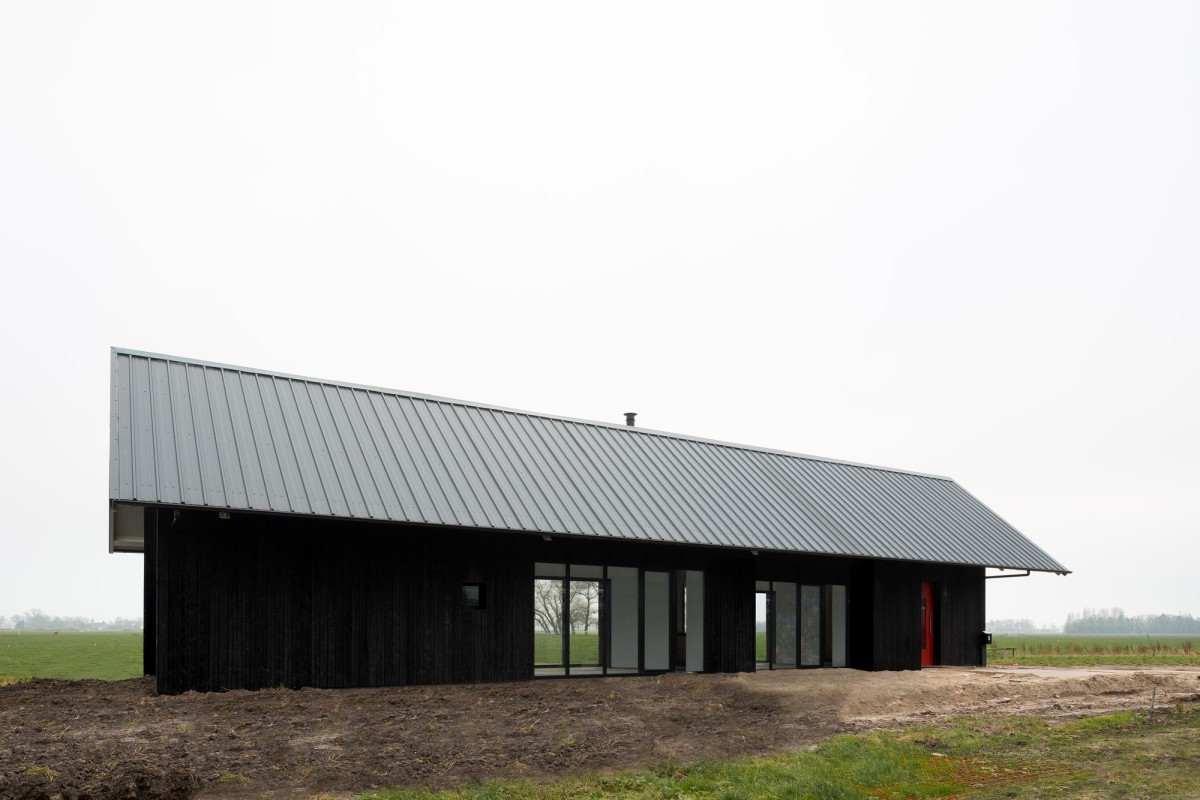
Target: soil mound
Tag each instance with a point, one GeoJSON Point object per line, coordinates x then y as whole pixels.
{"type": "Point", "coordinates": [109, 740]}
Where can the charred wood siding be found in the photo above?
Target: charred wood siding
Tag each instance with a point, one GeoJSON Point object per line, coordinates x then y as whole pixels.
{"type": "Point", "coordinates": [959, 614]}
{"type": "Point", "coordinates": [729, 616]}
{"type": "Point", "coordinates": [262, 601]}
{"type": "Point", "coordinates": [897, 612]}
{"type": "Point", "coordinates": [149, 587]}
{"type": "Point", "coordinates": [258, 601]}
{"type": "Point", "coordinates": [860, 616]}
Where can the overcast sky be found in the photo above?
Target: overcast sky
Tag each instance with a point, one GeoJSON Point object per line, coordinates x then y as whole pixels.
{"type": "Point", "coordinates": [960, 238]}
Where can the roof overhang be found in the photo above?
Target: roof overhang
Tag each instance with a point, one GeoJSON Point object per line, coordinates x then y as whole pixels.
{"type": "Point", "coordinates": [126, 528]}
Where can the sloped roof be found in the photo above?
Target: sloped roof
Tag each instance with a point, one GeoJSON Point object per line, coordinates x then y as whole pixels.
{"type": "Point", "coordinates": [191, 433]}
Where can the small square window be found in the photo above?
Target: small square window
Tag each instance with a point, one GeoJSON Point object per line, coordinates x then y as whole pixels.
{"type": "Point", "coordinates": [472, 595]}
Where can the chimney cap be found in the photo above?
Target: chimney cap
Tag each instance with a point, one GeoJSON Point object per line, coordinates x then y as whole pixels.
{"type": "Point", "coordinates": [629, 415]}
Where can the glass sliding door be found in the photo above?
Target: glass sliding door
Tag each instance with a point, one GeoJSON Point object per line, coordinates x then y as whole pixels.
{"type": "Point", "coordinates": [549, 640]}
{"type": "Point", "coordinates": [763, 638]}
{"type": "Point", "coordinates": [597, 620]}
{"type": "Point", "coordinates": [785, 625]}
{"type": "Point", "coordinates": [799, 626]}
{"type": "Point", "coordinates": [810, 626]}
{"type": "Point", "coordinates": [656, 642]}
{"type": "Point", "coordinates": [623, 618]}
{"type": "Point", "coordinates": [694, 614]}
{"type": "Point", "coordinates": [585, 637]}
{"type": "Point", "coordinates": [835, 619]}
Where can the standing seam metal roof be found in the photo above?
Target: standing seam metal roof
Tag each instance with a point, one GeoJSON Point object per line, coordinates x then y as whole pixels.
{"type": "Point", "coordinates": [194, 433]}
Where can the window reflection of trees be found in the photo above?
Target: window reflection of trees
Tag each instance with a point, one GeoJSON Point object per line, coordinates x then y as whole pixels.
{"type": "Point", "coordinates": [583, 605]}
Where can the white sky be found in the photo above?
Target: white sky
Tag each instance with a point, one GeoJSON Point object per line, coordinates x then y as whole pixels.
{"type": "Point", "coordinates": [958, 238]}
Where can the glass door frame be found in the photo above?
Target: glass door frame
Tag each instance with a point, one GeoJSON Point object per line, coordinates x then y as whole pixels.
{"type": "Point", "coordinates": [602, 629]}
{"type": "Point", "coordinates": [772, 634]}
{"type": "Point", "coordinates": [565, 574]}
{"type": "Point", "coordinates": [769, 594]}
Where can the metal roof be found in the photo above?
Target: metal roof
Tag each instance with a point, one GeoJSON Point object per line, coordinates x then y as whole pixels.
{"type": "Point", "coordinates": [192, 433]}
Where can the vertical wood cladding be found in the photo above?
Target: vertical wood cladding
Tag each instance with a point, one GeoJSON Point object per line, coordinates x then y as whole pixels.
{"type": "Point", "coordinates": [149, 586]}
{"type": "Point", "coordinates": [959, 614]}
{"type": "Point", "coordinates": [860, 615]}
{"type": "Point", "coordinates": [729, 615]}
{"type": "Point", "coordinates": [897, 607]}
{"type": "Point", "coordinates": [255, 602]}
{"type": "Point", "coordinates": [261, 601]}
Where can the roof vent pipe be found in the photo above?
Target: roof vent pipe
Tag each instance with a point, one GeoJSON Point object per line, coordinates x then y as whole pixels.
{"type": "Point", "coordinates": [629, 415]}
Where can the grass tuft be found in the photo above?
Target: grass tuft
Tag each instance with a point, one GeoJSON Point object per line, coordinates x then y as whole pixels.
{"type": "Point", "coordinates": [41, 772]}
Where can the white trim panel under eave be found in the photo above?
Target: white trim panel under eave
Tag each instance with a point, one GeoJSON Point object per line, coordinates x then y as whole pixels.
{"type": "Point", "coordinates": [126, 528]}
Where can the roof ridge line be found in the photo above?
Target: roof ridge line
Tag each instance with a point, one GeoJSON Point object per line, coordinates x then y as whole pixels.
{"type": "Point", "coordinates": [504, 409]}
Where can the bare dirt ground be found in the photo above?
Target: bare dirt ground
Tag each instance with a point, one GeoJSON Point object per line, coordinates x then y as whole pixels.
{"type": "Point", "coordinates": [99, 740]}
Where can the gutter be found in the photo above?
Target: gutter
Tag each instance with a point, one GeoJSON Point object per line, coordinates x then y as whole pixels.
{"type": "Point", "coordinates": [992, 577]}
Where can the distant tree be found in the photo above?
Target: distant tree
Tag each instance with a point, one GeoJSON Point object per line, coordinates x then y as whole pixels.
{"type": "Point", "coordinates": [1011, 626]}
{"type": "Point", "coordinates": [547, 606]}
{"type": "Point", "coordinates": [36, 619]}
{"type": "Point", "coordinates": [585, 606]}
{"type": "Point", "coordinates": [1114, 621]}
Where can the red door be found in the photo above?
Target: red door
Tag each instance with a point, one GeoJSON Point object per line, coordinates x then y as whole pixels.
{"type": "Point", "coordinates": [926, 624]}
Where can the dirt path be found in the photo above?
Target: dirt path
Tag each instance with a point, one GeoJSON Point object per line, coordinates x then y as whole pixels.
{"type": "Point", "coordinates": [120, 740]}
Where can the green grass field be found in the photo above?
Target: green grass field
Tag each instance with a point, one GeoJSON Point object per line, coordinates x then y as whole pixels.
{"type": "Point", "coordinates": [1060, 650]}
{"type": "Point", "coordinates": [118, 654]}
{"type": "Point", "coordinates": [108, 655]}
{"type": "Point", "coordinates": [547, 648]}
{"type": "Point", "coordinates": [1123, 755]}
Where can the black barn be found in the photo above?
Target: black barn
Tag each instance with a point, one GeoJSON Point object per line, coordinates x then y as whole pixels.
{"type": "Point", "coordinates": [300, 532]}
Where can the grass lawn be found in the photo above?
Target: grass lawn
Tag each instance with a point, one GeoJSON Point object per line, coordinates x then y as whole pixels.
{"type": "Point", "coordinates": [1115, 756]}
{"type": "Point", "coordinates": [585, 648]}
{"type": "Point", "coordinates": [1060, 650]}
{"type": "Point", "coordinates": [108, 655]}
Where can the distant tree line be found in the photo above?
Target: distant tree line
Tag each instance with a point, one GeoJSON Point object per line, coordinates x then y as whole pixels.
{"type": "Point", "coordinates": [1012, 626]}
{"type": "Point", "coordinates": [36, 619]}
{"type": "Point", "coordinates": [1113, 620]}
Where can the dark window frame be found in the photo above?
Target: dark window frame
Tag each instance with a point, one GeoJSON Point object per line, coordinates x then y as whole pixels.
{"type": "Point", "coordinates": [477, 603]}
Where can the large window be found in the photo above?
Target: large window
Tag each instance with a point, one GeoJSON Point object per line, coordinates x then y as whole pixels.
{"type": "Point", "coordinates": [596, 620]}
{"type": "Point", "coordinates": [799, 625]}
{"type": "Point", "coordinates": [548, 622]}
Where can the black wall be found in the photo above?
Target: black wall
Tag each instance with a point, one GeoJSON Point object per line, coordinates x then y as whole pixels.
{"type": "Point", "coordinates": [259, 601]}
{"type": "Point", "coordinates": [883, 612]}
{"type": "Point", "coordinates": [897, 611]}
{"type": "Point", "coordinates": [959, 614]}
{"type": "Point", "coordinates": [729, 615]}
{"type": "Point", "coordinates": [262, 601]}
